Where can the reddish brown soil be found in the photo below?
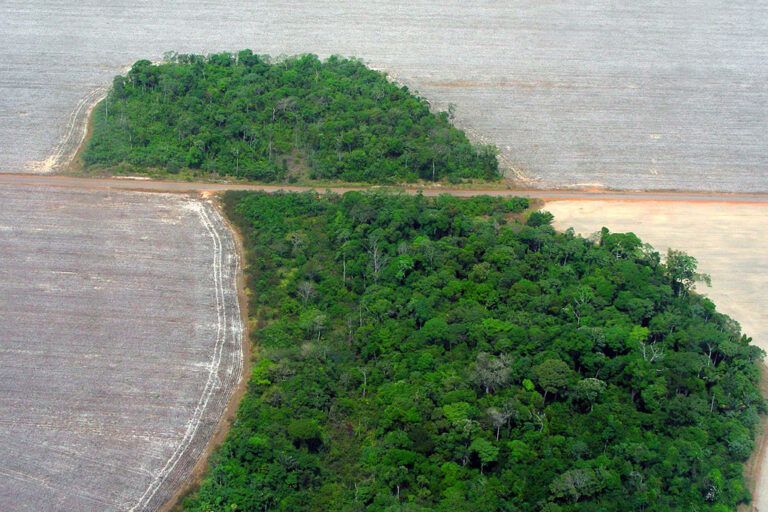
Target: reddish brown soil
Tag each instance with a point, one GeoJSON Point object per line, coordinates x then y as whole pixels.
{"type": "Point", "coordinates": [151, 185]}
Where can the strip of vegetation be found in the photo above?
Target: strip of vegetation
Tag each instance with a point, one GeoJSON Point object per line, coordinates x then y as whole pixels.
{"type": "Point", "coordinates": [243, 115]}
{"type": "Point", "coordinates": [443, 354]}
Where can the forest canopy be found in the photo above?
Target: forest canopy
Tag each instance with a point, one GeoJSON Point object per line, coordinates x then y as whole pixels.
{"type": "Point", "coordinates": [253, 117]}
{"type": "Point", "coordinates": [445, 354]}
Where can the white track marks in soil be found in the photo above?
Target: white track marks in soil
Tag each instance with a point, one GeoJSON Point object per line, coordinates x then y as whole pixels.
{"type": "Point", "coordinates": [121, 345]}
{"type": "Point", "coordinates": [223, 327]}
{"type": "Point", "coordinates": [75, 131]}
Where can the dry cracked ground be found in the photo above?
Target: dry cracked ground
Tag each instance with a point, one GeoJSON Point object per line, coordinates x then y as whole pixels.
{"type": "Point", "coordinates": [120, 343]}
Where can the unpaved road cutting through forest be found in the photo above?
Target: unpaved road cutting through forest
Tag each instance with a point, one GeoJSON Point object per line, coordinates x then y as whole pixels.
{"type": "Point", "coordinates": [149, 185]}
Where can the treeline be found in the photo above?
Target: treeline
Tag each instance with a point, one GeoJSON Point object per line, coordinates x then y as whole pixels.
{"type": "Point", "coordinates": [245, 115]}
{"type": "Point", "coordinates": [443, 354]}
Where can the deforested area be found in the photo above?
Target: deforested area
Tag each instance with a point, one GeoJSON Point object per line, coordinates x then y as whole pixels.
{"type": "Point", "coordinates": [120, 344]}
{"type": "Point", "coordinates": [445, 354]}
{"type": "Point", "coordinates": [296, 118]}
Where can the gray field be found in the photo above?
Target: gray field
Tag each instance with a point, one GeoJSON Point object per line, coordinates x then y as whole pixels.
{"type": "Point", "coordinates": [628, 95]}
{"type": "Point", "coordinates": [120, 343]}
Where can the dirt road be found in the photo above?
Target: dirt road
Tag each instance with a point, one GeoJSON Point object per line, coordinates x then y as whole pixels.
{"type": "Point", "coordinates": [148, 185]}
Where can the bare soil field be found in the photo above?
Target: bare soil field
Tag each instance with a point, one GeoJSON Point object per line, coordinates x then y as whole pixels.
{"type": "Point", "coordinates": [729, 242]}
{"type": "Point", "coordinates": [120, 344]}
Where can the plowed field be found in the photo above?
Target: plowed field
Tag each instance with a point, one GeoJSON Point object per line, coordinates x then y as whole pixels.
{"type": "Point", "coordinates": [120, 344]}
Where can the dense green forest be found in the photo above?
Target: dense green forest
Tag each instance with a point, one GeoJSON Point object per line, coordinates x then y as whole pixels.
{"type": "Point", "coordinates": [297, 118]}
{"type": "Point", "coordinates": [418, 354]}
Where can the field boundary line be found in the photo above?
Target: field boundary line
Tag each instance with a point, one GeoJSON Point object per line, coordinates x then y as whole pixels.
{"type": "Point", "coordinates": [221, 333]}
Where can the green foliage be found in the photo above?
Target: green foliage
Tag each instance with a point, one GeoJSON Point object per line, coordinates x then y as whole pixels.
{"type": "Point", "coordinates": [433, 354]}
{"type": "Point", "coordinates": [304, 431]}
{"type": "Point", "coordinates": [681, 269]}
{"type": "Point", "coordinates": [552, 375]}
{"type": "Point", "coordinates": [248, 116]}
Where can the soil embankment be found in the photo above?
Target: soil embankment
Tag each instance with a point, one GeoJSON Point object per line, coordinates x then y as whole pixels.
{"type": "Point", "coordinates": [228, 416]}
{"type": "Point", "coordinates": [755, 470]}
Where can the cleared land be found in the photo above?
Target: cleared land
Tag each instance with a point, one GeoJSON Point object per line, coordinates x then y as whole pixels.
{"type": "Point", "coordinates": [726, 239]}
{"type": "Point", "coordinates": [120, 344]}
{"type": "Point", "coordinates": [630, 95]}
